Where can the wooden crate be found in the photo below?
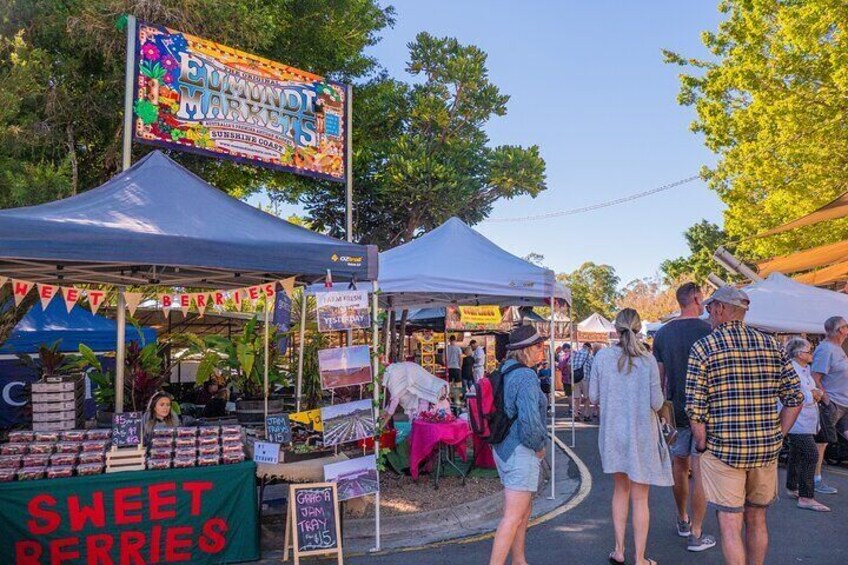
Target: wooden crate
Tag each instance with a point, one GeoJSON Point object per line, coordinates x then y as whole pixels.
{"type": "Point", "coordinates": [125, 459]}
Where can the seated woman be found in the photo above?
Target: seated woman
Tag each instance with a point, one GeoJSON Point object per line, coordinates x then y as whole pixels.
{"type": "Point", "coordinates": [159, 414]}
{"type": "Point", "coordinates": [217, 405]}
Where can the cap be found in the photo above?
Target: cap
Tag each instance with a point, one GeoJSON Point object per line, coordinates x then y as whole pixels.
{"type": "Point", "coordinates": [523, 336]}
{"type": "Point", "coordinates": [729, 295]}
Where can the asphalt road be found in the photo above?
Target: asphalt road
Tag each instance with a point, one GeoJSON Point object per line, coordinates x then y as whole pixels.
{"type": "Point", "coordinates": [584, 534]}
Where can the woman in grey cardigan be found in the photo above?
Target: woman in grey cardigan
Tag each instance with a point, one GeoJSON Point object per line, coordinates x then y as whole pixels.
{"type": "Point", "coordinates": [625, 380]}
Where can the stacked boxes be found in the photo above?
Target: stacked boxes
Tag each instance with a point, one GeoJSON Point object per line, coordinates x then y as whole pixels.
{"type": "Point", "coordinates": [57, 403]}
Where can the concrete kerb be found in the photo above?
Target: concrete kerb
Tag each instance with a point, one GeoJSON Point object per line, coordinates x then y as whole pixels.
{"type": "Point", "coordinates": [467, 523]}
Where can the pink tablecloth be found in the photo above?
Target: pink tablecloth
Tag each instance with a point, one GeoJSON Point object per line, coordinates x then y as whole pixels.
{"type": "Point", "coordinates": [426, 436]}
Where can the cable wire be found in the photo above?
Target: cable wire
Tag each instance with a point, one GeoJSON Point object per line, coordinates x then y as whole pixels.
{"type": "Point", "coordinates": [600, 205]}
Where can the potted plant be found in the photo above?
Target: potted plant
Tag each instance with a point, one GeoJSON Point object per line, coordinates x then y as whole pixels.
{"type": "Point", "coordinates": [242, 357]}
{"type": "Point", "coordinates": [51, 362]}
{"type": "Point", "coordinates": [145, 373]}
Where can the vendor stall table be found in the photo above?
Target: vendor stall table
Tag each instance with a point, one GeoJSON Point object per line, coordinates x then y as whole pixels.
{"type": "Point", "coordinates": [443, 437]}
{"type": "Point", "coordinates": [196, 515]}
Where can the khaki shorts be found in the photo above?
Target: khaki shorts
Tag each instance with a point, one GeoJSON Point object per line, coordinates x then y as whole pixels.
{"type": "Point", "coordinates": [581, 389]}
{"type": "Point", "coordinates": [730, 489]}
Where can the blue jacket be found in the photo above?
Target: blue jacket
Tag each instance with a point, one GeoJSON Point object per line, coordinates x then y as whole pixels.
{"type": "Point", "coordinates": [522, 396]}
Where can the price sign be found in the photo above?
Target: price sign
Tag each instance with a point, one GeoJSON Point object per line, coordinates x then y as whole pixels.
{"type": "Point", "coordinates": [126, 429]}
{"type": "Point", "coordinates": [266, 452]}
{"type": "Point", "coordinates": [278, 428]}
{"type": "Point", "coordinates": [312, 526]}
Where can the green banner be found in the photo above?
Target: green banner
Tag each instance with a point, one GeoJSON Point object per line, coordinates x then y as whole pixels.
{"type": "Point", "coordinates": [198, 515]}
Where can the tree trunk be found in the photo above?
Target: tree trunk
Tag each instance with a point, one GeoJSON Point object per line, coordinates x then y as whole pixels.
{"type": "Point", "coordinates": [72, 153]}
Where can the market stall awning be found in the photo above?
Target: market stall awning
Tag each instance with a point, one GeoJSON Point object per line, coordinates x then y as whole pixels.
{"type": "Point", "coordinates": [158, 223]}
{"type": "Point", "coordinates": [827, 275]}
{"type": "Point", "coordinates": [453, 264]}
{"type": "Point", "coordinates": [780, 304]}
{"type": "Point", "coordinates": [805, 260]}
{"type": "Point", "coordinates": [596, 324]}
{"type": "Point", "coordinates": [39, 327]}
{"type": "Point", "coordinates": [838, 208]}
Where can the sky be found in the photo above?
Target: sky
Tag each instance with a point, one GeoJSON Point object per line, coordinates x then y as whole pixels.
{"type": "Point", "coordinates": [588, 85]}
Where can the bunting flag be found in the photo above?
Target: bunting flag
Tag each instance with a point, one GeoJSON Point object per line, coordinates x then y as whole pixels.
{"type": "Point", "coordinates": [20, 289]}
{"type": "Point", "coordinates": [288, 286]}
{"type": "Point", "coordinates": [270, 289]}
{"type": "Point", "coordinates": [166, 301]}
{"type": "Point", "coordinates": [253, 293]}
{"type": "Point", "coordinates": [201, 300]}
{"type": "Point", "coordinates": [71, 295]}
{"type": "Point", "coordinates": [217, 299]}
{"type": "Point", "coordinates": [46, 293]}
{"type": "Point", "coordinates": [96, 298]}
{"type": "Point", "coordinates": [185, 303]}
{"type": "Point", "coordinates": [133, 299]}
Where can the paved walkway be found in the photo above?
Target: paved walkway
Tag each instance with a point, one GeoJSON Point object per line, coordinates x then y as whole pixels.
{"type": "Point", "coordinates": [584, 534]}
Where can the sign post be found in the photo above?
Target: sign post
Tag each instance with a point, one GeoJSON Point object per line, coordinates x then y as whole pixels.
{"type": "Point", "coordinates": [312, 523]}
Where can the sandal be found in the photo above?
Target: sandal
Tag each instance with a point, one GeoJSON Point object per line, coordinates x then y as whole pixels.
{"type": "Point", "coordinates": [816, 506]}
{"type": "Point", "coordinates": [615, 561]}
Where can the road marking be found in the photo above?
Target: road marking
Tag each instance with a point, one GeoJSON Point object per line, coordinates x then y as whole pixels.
{"type": "Point", "coordinates": [576, 499]}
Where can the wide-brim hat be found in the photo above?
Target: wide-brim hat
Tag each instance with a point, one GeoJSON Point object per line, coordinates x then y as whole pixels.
{"type": "Point", "coordinates": [522, 337]}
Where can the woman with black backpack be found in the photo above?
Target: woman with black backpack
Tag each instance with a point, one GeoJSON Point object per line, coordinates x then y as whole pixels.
{"type": "Point", "coordinates": [519, 455]}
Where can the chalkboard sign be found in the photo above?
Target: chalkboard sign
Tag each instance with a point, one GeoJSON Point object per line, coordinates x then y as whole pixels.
{"type": "Point", "coordinates": [312, 527]}
{"type": "Point", "coordinates": [278, 428]}
{"type": "Point", "coordinates": [126, 429]}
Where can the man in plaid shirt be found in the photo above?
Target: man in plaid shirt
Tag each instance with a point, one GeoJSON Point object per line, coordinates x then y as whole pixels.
{"type": "Point", "coordinates": [736, 376]}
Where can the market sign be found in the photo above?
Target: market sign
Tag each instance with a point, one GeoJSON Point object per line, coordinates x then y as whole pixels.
{"type": "Point", "coordinates": [195, 95]}
{"type": "Point", "coordinates": [199, 515]}
{"type": "Point", "coordinates": [470, 318]}
{"type": "Point", "coordinates": [346, 310]}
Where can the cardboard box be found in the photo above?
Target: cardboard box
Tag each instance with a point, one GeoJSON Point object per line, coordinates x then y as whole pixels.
{"type": "Point", "coordinates": [71, 396]}
{"type": "Point", "coordinates": [54, 406]}
{"type": "Point", "coordinates": [57, 415]}
{"type": "Point", "coordinates": [54, 426]}
{"type": "Point", "coordinates": [65, 386]}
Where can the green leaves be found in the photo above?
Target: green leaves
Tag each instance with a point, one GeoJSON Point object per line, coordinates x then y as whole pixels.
{"type": "Point", "coordinates": [152, 70]}
{"type": "Point", "coordinates": [771, 103]}
{"type": "Point", "coordinates": [594, 288]}
{"type": "Point", "coordinates": [146, 110]}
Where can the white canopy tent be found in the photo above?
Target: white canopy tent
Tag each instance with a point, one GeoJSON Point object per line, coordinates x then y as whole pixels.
{"type": "Point", "coordinates": [782, 305]}
{"type": "Point", "coordinates": [596, 324]}
{"type": "Point", "coordinates": [453, 264]}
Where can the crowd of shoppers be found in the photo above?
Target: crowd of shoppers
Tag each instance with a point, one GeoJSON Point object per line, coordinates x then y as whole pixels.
{"type": "Point", "coordinates": [736, 397]}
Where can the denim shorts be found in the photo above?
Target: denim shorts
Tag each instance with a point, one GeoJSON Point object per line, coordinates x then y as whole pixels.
{"type": "Point", "coordinates": [684, 445]}
{"type": "Point", "coordinates": [521, 471]}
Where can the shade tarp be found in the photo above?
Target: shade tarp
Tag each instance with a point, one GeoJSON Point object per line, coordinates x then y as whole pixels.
{"type": "Point", "coordinates": [782, 305]}
{"type": "Point", "coordinates": [79, 326]}
{"type": "Point", "coordinates": [838, 208]}
{"type": "Point", "coordinates": [825, 255]}
{"type": "Point", "coordinates": [159, 223]}
{"type": "Point", "coordinates": [596, 324]}
{"type": "Point", "coordinates": [453, 264]}
{"type": "Point", "coordinates": [827, 275]}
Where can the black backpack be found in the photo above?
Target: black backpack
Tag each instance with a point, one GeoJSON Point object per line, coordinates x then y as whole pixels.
{"type": "Point", "coordinates": [486, 406]}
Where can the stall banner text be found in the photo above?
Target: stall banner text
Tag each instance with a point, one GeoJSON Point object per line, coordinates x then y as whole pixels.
{"type": "Point", "coordinates": [201, 515]}
{"type": "Point", "coordinates": [346, 310]}
{"type": "Point", "coordinates": [487, 317]}
{"type": "Point", "coordinates": [201, 301]}
{"type": "Point", "coordinates": [195, 95]}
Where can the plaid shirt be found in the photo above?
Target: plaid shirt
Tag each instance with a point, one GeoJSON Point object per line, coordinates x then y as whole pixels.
{"type": "Point", "coordinates": [736, 375]}
{"type": "Point", "coordinates": [582, 359]}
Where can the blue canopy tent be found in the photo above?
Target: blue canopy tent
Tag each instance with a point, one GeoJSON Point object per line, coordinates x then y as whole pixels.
{"type": "Point", "coordinates": [159, 224]}
{"type": "Point", "coordinates": [49, 326]}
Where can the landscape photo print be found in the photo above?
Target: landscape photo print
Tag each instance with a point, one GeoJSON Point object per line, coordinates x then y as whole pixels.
{"type": "Point", "coordinates": [344, 366]}
{"type": "Point", "coordinates": [354, 477]}
{"type": "Point", "coordinates": [348, 422]}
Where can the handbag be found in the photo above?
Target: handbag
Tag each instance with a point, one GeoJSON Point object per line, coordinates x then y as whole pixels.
{"type": "Point", "coordinates": [668, 425]}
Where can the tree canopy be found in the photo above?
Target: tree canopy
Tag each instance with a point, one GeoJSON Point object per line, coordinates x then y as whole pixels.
{"type": "Point", "coordinates": [421, 154]}
{"type": "Point", "coordinates": [772, 104]}
{"type": "Point", "coordinates": [62, 80]}
{"type": "Point", "coordinates": [651, 297]}
{"type": "Point", "coordinates": [594, 288]}
{"type": "Point", "coordinates": [703, 239]}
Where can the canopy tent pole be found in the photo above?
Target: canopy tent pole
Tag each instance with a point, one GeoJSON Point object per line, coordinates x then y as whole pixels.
{"type": "Point", "coordinates": [552, 369]}
{"type": "Point", "coordinates": [129, 91]}
{"type": "Point", "coordinates": [265, 372]}
{"type": "Point", "coordinates": [375, 371]}
{"type": "Point", "coordinates": [120, 350]}
{"type": "Point", "coordinates": [301, 345]}
{"type": "Point", "coordinates": [573, 342]}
